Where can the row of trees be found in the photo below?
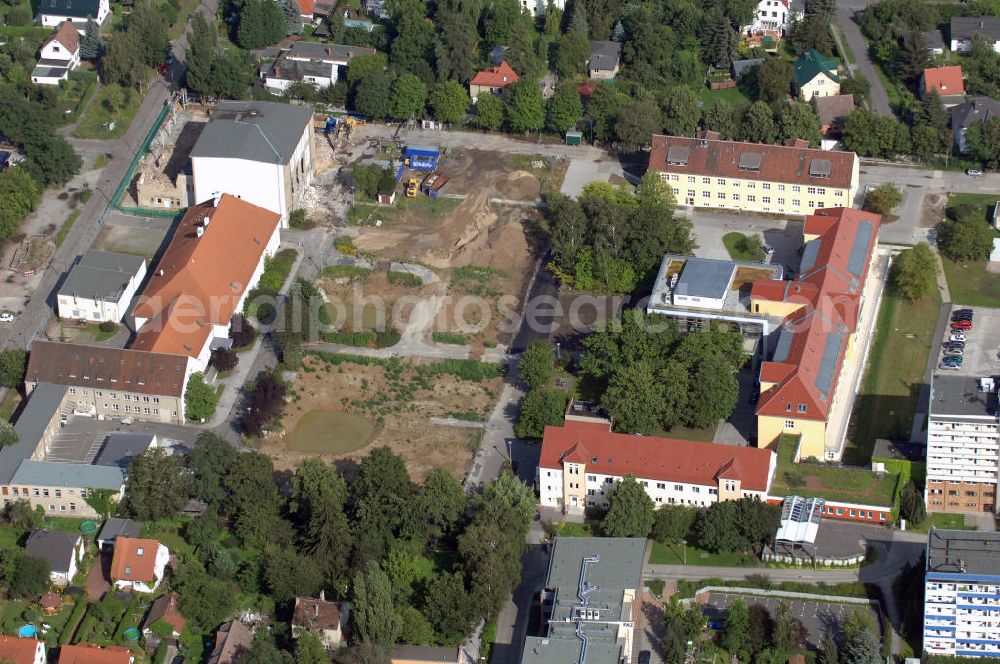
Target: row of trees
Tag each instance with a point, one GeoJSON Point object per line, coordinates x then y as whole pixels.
{"type": "Point", "coordinates": [374, 540]}
{"type": "Point", "coordinates": [658, 378]}
{"type": "Point", "coordinates": [143, 43]}
{"type": "Point", "coordinates": [609, 240]}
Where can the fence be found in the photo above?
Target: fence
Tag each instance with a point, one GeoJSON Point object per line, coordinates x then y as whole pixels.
{"type": "Point", "coordinates": [852, 560]}
{"type": "Point", "coordinates": [116, 200]}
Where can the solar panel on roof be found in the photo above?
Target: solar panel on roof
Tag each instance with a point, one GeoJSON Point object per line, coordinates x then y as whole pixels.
{"type": "Point", "coordinates": [751, 161]}
{"type": "Point", "coordinates": [678, 155]}
{"type": "Point", "coordinates": [784, 345]}
{"type": "Point", "coordinates": [809, 255]}
{"type": "Point", "coordinates": [859, 250]}
{"type": "Point", "coordinates": [820, 168]}
{"type": "Point", "coordinates": [828, 365]}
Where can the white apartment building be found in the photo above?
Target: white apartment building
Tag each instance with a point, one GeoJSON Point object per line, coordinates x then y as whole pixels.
{"type": "Point", "coordinates": [100, 286]}
{"type": "Point", "coordinates": [581, 462]}
{"type": "Point", "coordinates": [963, 445]}
{"type": "Point", "coordinates": [962, 594]}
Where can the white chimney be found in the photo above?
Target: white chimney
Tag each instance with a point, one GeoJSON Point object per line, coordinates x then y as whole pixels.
{"type": "Point", "coordinates": [216, 199]}
{"type": "Point", "coordinates": [199, 231]}
{"type": "Point", "coordinates": [161, 272]}
{"type": "Point", "coordinates": [205, 220]}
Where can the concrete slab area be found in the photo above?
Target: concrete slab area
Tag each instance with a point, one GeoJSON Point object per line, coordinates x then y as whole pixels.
{"type": "Point", "coordinates": [981, 344]}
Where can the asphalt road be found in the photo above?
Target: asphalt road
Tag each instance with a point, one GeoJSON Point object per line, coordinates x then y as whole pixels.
{"type": "Point", "coordinates": [877, 96]}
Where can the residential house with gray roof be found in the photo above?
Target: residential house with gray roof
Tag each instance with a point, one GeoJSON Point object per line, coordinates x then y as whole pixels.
{"type": "Point", "coordinates": [964, 28]}
{"type": "Point", "coordinates": [605, 56]}
{"type": "Point", "coordinates": [590, 603]}
{"type": "Point", "coordinates": [61, 550]}
{"type": "Point", "coordinates": [100, 286]}
{"type": "Point", "coordinates": [969, 113]}
{"type": "Point", "coordinates": [259, 151]}
{"type": "Point", "coordinates": [114, 528]}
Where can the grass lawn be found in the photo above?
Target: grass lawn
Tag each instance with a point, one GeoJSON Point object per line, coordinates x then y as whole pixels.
{"type": "Point", "coordinates": [328, 432]}
{"type": "Point", "coordinates": [9, 404]}
{"type": "Point", "coordinates": [656, 586]}
{"type": "Point", "coordinates": [66, 227]}
{"type": "Point", "coordinates": [847, 54]}
{"type": "Point", "coordinates": [940, 520]}
{"type": "Point", "coordinates": [168, 531]}
{"type": "Point", "coordinates": [8, 537]}
{"type": "Point", "coordinates": [890, 88]}
{"type": "Point", "coordinates": [829, 481]}
{"type": "Point", "coordinates": [971, 283]}
{"type": "Point", "coordinates": [571, 529]}
{"type": "Point", "coordinates": [187, 6]}
{"type": "Point", "coordinates": [92, 123]}
{"type": "Point", "coordinates": [706, 435]}
{"type": "Point", "coordinates": [736, 245]}
{"type": "Point", "coordinates": [888, 397]}
{"type": "Point", "coordinates": [673, 554]}
{"type": "Point", "coordinates": [734, 96]}
{"type": "Point", "coordinates": [74, 95]}
{"type": "Point", "coordinates": [984, 201]}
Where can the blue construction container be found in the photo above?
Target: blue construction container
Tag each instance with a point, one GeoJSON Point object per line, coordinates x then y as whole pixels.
{"type": "Point", "coordinates": [422, 157]}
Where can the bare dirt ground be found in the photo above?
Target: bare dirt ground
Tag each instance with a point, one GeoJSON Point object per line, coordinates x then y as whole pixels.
{"type": "Point", "coordinates": [400, 401]}
{"type": "Point", "coordinates": [358, 304]}
{"type": "Point", "coordinates": [933, 210]}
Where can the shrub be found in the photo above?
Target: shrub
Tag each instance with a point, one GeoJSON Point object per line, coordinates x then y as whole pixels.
{"type": "Point", "coordinates": [223, 359]}
{"type": "Point", "coordinates": [334, 271]}
{"type": "Point", "coordinates": [266, 399]}
{"type": "Point", "coordinates": [108, 327]}
{"type": "Point", "coordinates": [450, 338]}
{"type": "Point", "coordinates": [13, 364]}
{"type": "Point", "coordinates": [404, 279]}
{"type": "Point", "coordinates": [298, 220]}
{"type": "Point", "coordinates": [345, 245]}
{"type": "Point", "coordinates": [242, 332]}
{"type": "Point", "coordinates": [883, 199]}
{"type": "Point", "coordinates": [200, 399]}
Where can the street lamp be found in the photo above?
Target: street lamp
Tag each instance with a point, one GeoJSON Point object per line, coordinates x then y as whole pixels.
{"type": "Point", "coordinates": [685, 543]}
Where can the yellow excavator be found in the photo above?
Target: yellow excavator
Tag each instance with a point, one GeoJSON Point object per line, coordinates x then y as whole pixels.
{"type": "Point", "coordinates": [411, 188]}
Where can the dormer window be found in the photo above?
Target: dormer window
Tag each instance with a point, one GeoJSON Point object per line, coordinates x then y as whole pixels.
{"type": "Point", "coordinates": [140, 551]}
{"type": "Point", "coordinates": [802, 408]}
{"type": "Point", "coordinates": [128, 570]}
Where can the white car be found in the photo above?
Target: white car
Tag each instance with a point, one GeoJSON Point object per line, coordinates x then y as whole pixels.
{"type": "Point", "coordinates": [6, 317]}
{"type": "Point", "coordinates": [957, 337]}
{"type": "Point", "coordinates": [974, 172]}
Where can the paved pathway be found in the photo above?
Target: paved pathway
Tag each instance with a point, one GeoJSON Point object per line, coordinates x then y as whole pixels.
{"type": "Point", "coordinates": [878, 97]}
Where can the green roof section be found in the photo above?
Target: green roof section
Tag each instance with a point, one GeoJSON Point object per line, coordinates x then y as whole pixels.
{"type": "Point", "coordinates": [811, 64]}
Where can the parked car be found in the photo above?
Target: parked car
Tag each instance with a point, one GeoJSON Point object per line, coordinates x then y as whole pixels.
{"type": "Point", "coordinates": [962, 325]}
{"type": "Point", "coordinates": [955, 344]}
{"type": "Point", "coordinates": [963, 311]}
{"type": "Point", "coordinates": [953, 353]}
{"type": "Point", "coordinates": [6, 317]}
{"type": "Point", "coordinates": [949, 366]}
{"type": "Point", "coordinates": [961, 316]}
{"type": "Point", "coordinates": [952, 359]}
{"type": "Point", "coordinates": [644, 657]}
{"type": "Point", "coordinates": [956, 339]}
{"type": "Point", "coordinates": [974, 172]}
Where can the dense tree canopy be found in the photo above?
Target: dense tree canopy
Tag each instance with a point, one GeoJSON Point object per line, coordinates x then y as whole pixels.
{"type": "Point", "coordinates": [156, 487]}
{"type": "Point", "coordinates": [914, 272]}
{"type": "Point", "coordinates": [630, 510]}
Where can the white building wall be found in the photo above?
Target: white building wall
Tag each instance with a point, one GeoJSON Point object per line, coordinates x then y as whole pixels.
{"type": "Point", "coordinates": [162, 557]}
{"type": "Point", "coordinates": [83, 308]}
{"type": "Point", "coordinates": [960, 617]}
{"type": "Point", "coordinates": [56, 51]}
{"type": "Point", "coordinates": [255, 182]}
{"type": "Point", "coordinates": [757, 196]}
{"type": "Point", "coordinates": [965, 45]}
{"type": "Point", "coordinates": [661, 492]}
{"type": "Point", "coordinates": [53, 20]}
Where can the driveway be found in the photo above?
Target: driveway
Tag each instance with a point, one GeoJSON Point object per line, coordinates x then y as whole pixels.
{"type": "Point", "coordinates": [99, 577]}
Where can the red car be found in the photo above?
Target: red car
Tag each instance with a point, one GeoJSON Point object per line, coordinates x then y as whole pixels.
{"type": "Point", "coordinates": [962, 325]}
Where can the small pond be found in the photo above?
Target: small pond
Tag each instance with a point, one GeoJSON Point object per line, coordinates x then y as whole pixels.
{"type": "Point", "coordinates": [330, 432]}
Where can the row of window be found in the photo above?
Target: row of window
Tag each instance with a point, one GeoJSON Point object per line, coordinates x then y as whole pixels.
{"type": "Point", "coordinates": [573, 469]}
{"type": "Point", "coordinates": [44, 492]}
{"type": "Point", "coordinates": [766, 186]}
{"type": "Point", "coordinates": [52, 508]}
{"type": "Point", "coordinates": [114, 395]}
{"type": "Point", "coordinates": [766, 200]}
{"type": "Point", "coordinates": [955, 503]}
{"type": "Point", "coordinates": [968, 494]}
{"type": "Point", "coordinates": [861, 514]}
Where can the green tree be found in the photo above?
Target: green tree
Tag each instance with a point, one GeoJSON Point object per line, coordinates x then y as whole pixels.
{"type": "Point", "coordinates": [965, 238]}
{"type": "Point", "coordinates": [91, 44]}
{"type": "Point", "coordinates": [362, 66]}
{"type": "Point", "coordinates": [210, 460]}
{"type": "Point", "coordinates": [489, 112]}
{"type": "Point", "coordinates": [13, 364]}
{"type": "Point", "coordinates": [983, 142]}
{"type": "Point", "coordinates": [373, 96]}
{"type": "Point", "coordinates": [205, 601]}
{"type": "Point", "coordinates": [448, 608]}
{"type": "Point", "coordinates": [758, 123]}
{"type": "Point", "coordinates": [201, 55]}
{"type": "Point", "coordinates": [636, 124]}
{"type": "Point", "coordinates": [289, 574]}
{"type": "Point", "coordinates": [635, 399]}
{"type": "Point", "coordinates": [409, 98]}
{"type": "Point", "coordinates": [155, 486]}
{"type": "Point", "coordinates": [441, 502]}
{"type": "Point", "coordinates": [572, 53]}
{"type": "Point", "coordinates": [773, 79]}
{"type": "Point", "coordinates": [630, 511]}
{"type": "Point", "coordinates": [309, 649]}
{"type": "Point", "coordinates": [797, 120]}
{"type": "Point", "coordinates": [525, 108]}
{"type": "Point", "coordinates": [51, 159]}
{"type": "Point", "coordinates": [911, 504]}
{"type": "Point", "coordinates": [146, 22]}
{"type": "Point", "coordinates": [672, 523]}
{"type": "Point", "coordinates": [861, 642]}
{"type": "Point", "coordinates": [605, 104]}
{"type": "Point", "coordinates": [565, 109]}
{"type": "Point", "coordinates": [828, 653]}
{"type": "Point", "coordinates": [19, 194]}
{"type": "Point", "coordinates": [200, 399]}
{"type": "Point", "coordinates": [925, 141]}
{"type": "Point", "coordinates": [30, 577]}
{"type": "Point", "coordinates": [720, 41]}
{"type": "Point", "coordinates": [723, 118]}
{"type": "Point", "coordinates": [449, 102]}
{"type": "Point", "coordinates": [382, 495]}
{"type": "Point", "coordinates": [372, 609]}
{"type": "Point", "coordinates": [22, 517]}
{"type": "Point", "coordinates": [680, 111]}
{"type": "Point", "coordinates": [736, 627]}
{"type": "Point", "coordinates": [914, 272]}
{"type": "Point", "coordinates": [540, 408]}
{"type": "Point", "coordinates": [812, 32]}
{"type": "Point", "coordinates": [714, 392]}
{"type": "Point", "coordinates": [261, 23]}
{"type": "Point", "coordinates": [537, 364]}
{"type": "Point", "coordinates": [872, 135]}
{"type": "Point", "coordinates": [254, 499]}
{"type": "Point", "coordinates": [884, 198]}
{"type": "Point", "coordinates": [786, 629]}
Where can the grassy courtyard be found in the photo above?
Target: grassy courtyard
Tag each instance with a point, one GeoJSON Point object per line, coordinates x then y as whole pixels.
{"type": "Point", "coordinates": [831, 481]}
{"type": "Point", "coordinates": [897, 360]}
{"type": "Point", "coordinates": [674, 554]}
{"type": "Point", "coordinates": [940, 520]}
{"type": "Point", "coordinates": [734, 96]}
{"type": "Point", "coordinates": [740, 247]}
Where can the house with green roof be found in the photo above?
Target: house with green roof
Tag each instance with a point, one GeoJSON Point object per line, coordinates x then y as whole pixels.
{"type": "Point", "coordinates": [816, 75]}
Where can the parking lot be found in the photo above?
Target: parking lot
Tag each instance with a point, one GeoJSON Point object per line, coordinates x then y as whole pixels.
{"type": "Point", "coordinates": [817, 617]}
{"type": "Point", "coordinates": [982, 343]}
